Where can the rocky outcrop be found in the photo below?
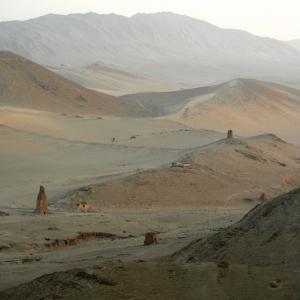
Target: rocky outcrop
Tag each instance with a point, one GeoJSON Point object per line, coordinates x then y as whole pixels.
{"type": "Point", "coordinates": [42, 202]}
{"type": "Point", "coordinates": [268, 235]}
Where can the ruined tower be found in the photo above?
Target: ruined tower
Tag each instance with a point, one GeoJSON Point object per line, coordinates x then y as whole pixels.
{"type": "Point", "coordinates": [230, 134]}
{"type": "Point", "coordinates": [42, 202]}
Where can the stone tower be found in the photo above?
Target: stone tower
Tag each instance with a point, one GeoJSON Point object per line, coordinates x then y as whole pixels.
{"type": "Point", "coordinates": [42, 202]}
{"type": "Point", "coordinates": [230, 134]}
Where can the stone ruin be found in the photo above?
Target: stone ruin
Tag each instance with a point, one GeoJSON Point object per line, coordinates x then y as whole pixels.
{"type": "Point", "coordinates": [230, 134]}
{"type": "Point", "coordinates": [263, 197]}
{"type": "Point", "coordinates": [42, 202]}
{"type": "Point", "coordinates": [83, 205]}
{"type": "Point", "coordinates": [150, 238]}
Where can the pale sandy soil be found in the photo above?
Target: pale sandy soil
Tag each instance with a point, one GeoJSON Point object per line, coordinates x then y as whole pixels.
{"type": "Point", "coordinates": [137, 132]}
{"type": "Point", "coordinates": [249, 107]}
{"type": "Point", "coordinates": [66, 152]}
{"type": "Point", "coordinates": [24, 257]}
{"type": "Point", "coordinates": [28, 160]}
{"type": "Point", "coordinates": [126, 162]}
{"type": "Point", "coordinates": [113, 81]}
{"type": "Point", "coordinates": [225, 173]}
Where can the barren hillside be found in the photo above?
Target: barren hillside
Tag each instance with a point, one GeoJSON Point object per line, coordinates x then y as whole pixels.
{"type": "Point", "coordinates": [225, 173]}
{"type": "Point", "coordinates": [168, 46]}
{"type": "Point", "coordinates": [267, 235]}
{"type": "Point", "coordinates": [28, 85]}
{"type": "Point", "coordinates": [111, 80]}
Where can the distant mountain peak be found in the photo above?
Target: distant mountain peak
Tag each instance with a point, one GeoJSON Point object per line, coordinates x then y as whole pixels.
{"type": "Point", "coordinates": [164, 45]}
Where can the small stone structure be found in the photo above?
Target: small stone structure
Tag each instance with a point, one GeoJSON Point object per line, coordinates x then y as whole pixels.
{"type": "Point", "coordinates": [42, 202]}
{"type": "Point", "coordinates": [263, 197]}
{"type": "Point", "coordinates": [150, 238]}
{"type": "Point", "coordinates": [230, 134]}
{"type": "Point", "coordinates": [83, 205]}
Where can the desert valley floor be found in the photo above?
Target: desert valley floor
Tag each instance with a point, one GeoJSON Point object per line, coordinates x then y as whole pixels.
{"type": "Point", "coordinates": [116, 168]}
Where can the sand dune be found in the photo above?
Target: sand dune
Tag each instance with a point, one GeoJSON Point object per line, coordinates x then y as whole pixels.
{"type": "Point", "coordinates": [225, 173]}
{"type": "Point", "coordinates": [28, 85]}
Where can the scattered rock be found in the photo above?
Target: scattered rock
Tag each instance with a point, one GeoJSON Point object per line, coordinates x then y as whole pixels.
{"type": "Point", "coordinates": [96, 278]}
{"type": "Point", "coordinates": [274, 285]}
{"type": "Point", "coordinates": [30, 259]}
{"type": "Point", "coordinates": [53, 228]}
{"type": "Point", "coordinates": [151, 238]}
{"type": "Point", "coordinates": [3, 214]}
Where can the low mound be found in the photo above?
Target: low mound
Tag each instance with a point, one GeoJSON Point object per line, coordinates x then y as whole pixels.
{"type": "Point", "coordinates": [267, 235]}
{"type": "Point", "coordinates": [28, 85]}
{"type": "Point", "coordinates": [139, 280]}
{"type": "Point", "coordinates": [225, 173]}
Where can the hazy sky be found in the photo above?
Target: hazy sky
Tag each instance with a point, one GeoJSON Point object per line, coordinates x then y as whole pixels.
{"type": "Point", "coordinates": [275, 18]}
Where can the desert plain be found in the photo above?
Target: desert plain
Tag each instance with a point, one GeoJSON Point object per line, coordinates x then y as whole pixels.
{"type": "Point", "coordinates": [211, 172]}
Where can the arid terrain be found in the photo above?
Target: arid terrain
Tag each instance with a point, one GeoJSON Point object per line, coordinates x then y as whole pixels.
{"type": "Point", "coordinates": [152, 184]}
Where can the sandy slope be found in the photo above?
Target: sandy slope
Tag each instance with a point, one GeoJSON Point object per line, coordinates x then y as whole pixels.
{"type": "Point", "coordinates": [28, 85]}
{"type": "Point", "coordinates": [248, 106]}
{"type": "Point", "coordinates": [65, 152]}
{"type": "Point", "coordinates": [111, 80]}
{"type": "Point", "coordinates": [137, 132]}
{"type": "Point", "coordinates": [28, 159]}
{"type": "Point", "coordinates": [224, 173]}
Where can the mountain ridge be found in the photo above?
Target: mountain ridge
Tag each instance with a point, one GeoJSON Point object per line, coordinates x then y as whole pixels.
{"type": "Point", "coordinates": [167, 46]}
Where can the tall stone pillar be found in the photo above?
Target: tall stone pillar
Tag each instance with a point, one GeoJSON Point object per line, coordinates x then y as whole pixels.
{"type": "Point", "coordinates": [42, 202]}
